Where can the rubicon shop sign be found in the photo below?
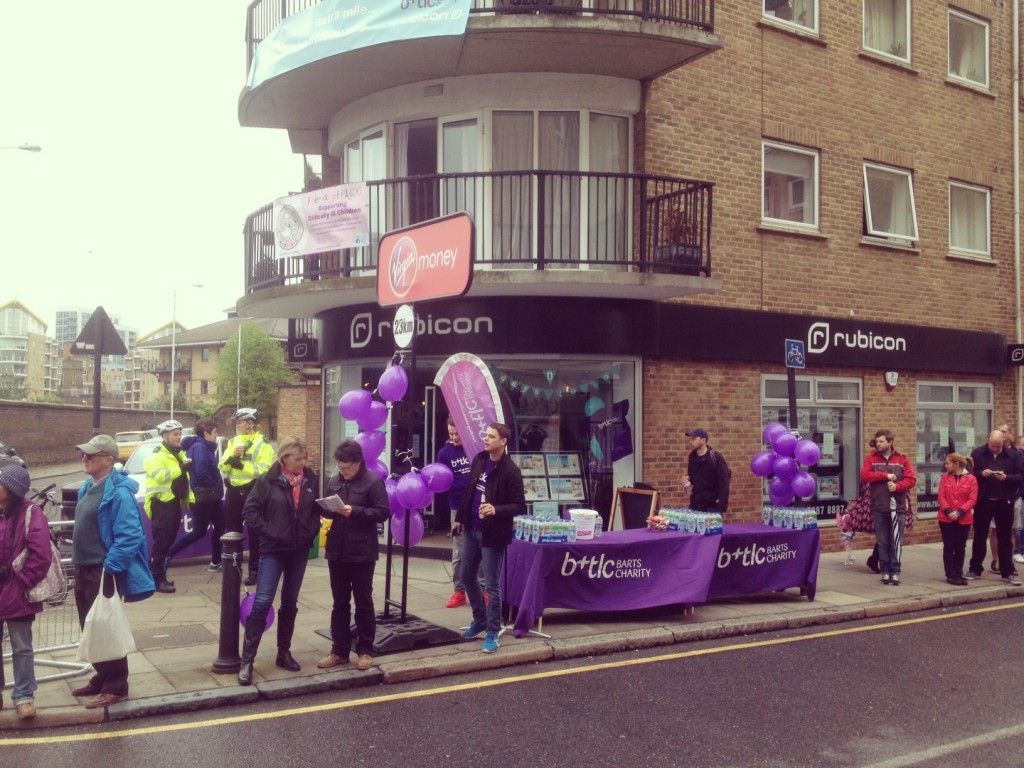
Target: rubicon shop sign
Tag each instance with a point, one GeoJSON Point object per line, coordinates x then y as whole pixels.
{"type": "Point", "coordinates": [432, 260]}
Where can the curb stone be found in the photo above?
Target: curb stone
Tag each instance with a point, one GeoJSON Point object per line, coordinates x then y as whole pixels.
{"type": "Point", "coordinates": [182, 702]}
{"type": "Point", "coordinates": [322, 683]}
{"type": "Point", "coordinates": [612, 642]}
{"type": "Point", "coordinates": [507, 656]}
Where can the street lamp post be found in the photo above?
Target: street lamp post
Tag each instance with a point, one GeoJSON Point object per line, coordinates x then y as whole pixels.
{"type": "Point", "coordinates": [174, 336]}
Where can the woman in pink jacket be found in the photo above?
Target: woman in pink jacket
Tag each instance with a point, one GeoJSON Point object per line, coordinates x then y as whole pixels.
{"type": "Point", "coordinates": [958, 493]}
{"type": "Point", "coordinates": [15, 610]}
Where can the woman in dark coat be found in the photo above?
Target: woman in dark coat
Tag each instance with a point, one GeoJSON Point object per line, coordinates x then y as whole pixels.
{"type": "Point", "coordinates": [281, 509]}
{"type": "Point", "coordinates": [352, 554]}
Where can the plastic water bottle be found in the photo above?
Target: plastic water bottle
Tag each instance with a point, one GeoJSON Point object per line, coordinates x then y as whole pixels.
{"type": "Point", "coordinates": [598, 526]}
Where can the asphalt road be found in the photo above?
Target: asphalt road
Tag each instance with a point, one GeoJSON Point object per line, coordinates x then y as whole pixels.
{"type": "Point", "coordinates": [931, 689]}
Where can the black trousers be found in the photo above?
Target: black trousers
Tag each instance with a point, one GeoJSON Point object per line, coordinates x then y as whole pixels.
{"type": "Point", "coordinates": [166, 522]}
{"type": "Point", "coordinates": [987, 510]}
{"type": "Point", "coordinates": [234, 501]}
{"type": "Point", "coordinates": [348, 581]}
{"type": "Point", "coordinates": [111, 676]}
{"type": "Point", "coordinates": [954, 548]}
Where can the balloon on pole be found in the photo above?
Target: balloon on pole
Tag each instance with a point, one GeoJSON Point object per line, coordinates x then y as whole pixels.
{"type": "Point", "coordinates": [374, 417]}
{"type": "Point", "coordinates": [438, 477]}
{"type": "Point", "coordinates": [372, 442]}
{"type": "Point", "coordinates": [807, 452]}
{"type": "Point", "coordinates": [354, 404]}
{"type": "Point", "coordinates": [412, 491]}
{"type": "Point", "coordinates": [245, 608]}
{"type": "Point", "coordinates": [415, 528]}
{"type": "Point", "coordinates": [762, 463]}
{"type": "Point", "coordinates": [393, 383]}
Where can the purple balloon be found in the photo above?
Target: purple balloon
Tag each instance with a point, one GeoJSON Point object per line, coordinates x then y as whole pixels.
{"type": "Point", "coordinates": [412, 491]}
{"type": "Point", "coordinates": [772, 431]}
{"type": "Point", "coordinates": [379, 468]}
{"type": "Point", "coordinates": [778, 487]}
{"type": "Point", "coordinates": [438, 477]}
{"type": "Point", "coordinates": [782, 500]}
{"type": "Point", "coordinates": [761, 464]}
{"type": "Point", "coordinates": [415, 528]}
{"type": "Point", "coordinates": [391, 486]}
{"type": "Point", "coordinates": [245, 608]}
{"type": "Point", "coordinates": [803, 484]}
{"type": "Point", "coordinates": [374, 417]}
{"type": "Point", "coordinates": [393, 383]}
{"type": "Point", "coordinates": [808, 453]}
{"type": "Point", "coordinates": [372, 442]}
{"type": "Point", "coordinates": [354, 404]}
{"type": "Point", "coordinates": [784, 444]}
{"type": "Point", "coordinates": [784, 468]}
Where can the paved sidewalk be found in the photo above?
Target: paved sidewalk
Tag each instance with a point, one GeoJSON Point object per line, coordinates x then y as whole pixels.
{"type": "Point", "coordinates": [177, 635]}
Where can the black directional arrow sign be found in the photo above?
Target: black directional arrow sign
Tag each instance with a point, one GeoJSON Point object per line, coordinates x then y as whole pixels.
{"type": "Point", "coordinates": [98, 338]}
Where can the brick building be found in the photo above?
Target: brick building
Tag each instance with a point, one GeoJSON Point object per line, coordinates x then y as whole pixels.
{"type": "Point", "coordinates": [860, 168]}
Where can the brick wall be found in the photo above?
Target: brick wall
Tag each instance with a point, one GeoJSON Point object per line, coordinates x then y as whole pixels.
{"type": "Point", "coordinates": [47, 434]}
{"type": "Point", "coordinates": [299, 413]}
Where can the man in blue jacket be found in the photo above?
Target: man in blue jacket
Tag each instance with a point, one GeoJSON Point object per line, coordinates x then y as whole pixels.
{"type": "Point", "coordinates": [108, 537]}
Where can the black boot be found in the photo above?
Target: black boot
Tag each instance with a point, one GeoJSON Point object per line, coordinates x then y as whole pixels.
{"type": "Point", "coordinates": [251, 643]}
{"type": "Point", "coordinates": [285, 629]}
{"type": "Point", "coordinates": [250, 580]}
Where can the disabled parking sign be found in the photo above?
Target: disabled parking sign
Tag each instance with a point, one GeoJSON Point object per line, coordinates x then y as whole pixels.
{"type": "Point", "coordinates": [795, 354]}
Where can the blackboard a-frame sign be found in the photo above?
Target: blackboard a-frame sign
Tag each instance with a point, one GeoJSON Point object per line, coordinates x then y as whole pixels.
{"type": "Point", "coordinates": [631, 507]}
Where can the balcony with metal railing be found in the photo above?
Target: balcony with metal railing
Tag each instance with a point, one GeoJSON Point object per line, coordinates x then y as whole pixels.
{"type": "Point", "coordinates": [536, 233]}
{"type": "Point", "coordinates": [184, 365]}
{"type": "Point", "coordinates": [632, 39]}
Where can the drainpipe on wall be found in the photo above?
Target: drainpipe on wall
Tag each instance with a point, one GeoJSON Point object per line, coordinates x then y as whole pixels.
{"type": "Point", "coordinates": [1016, 204]}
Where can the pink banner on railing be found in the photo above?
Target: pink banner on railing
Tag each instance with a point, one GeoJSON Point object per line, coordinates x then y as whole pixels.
{"type": "Point", "coordinates": [472, 398]}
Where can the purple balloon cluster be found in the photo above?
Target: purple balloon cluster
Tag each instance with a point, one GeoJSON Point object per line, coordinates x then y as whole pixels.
{"type": "Point", "coordinates": [413, 491]}
{"type": "Point", "coordinates": [370, 415]}
{"type": "Point", "coordinates": [784, 460]}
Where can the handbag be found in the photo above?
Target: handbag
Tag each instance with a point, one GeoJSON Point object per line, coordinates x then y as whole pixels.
{"type": "Point", "coordinates": [106, 635]}
{"type": "Point", "coordinates": [53, 582]}
{"type": "Point", "coordinates": [204, 495]}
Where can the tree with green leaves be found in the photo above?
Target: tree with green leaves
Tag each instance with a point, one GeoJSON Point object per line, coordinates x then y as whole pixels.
{"type": "Point", "coordinates": [10, 387]}
{"type": "Point", "coordinates": [263, 369]}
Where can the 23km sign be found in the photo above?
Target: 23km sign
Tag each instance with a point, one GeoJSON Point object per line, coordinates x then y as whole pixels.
{"type": "Point", "coordinates": [432, 260]}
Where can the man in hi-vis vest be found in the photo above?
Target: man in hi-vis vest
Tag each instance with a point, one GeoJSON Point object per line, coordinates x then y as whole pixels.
{"type": "Point", "coordinates": [168, 495]}
{"type": "Point", "coordinates": [247, 456]}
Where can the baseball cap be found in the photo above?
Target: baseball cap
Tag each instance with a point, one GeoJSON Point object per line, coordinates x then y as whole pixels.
{"type": "Point", "coordinates": [698, 433]}
{"type": "Point", "coordinates": [99, 444]}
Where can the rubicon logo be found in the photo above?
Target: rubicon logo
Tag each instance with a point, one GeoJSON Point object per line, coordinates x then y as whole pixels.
{"type": "Point", "coordinates": [360, 332]}
{"type": "Point", "coordinates": [817, 338]}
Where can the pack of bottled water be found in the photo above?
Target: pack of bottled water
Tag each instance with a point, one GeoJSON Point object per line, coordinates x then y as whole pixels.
{"type": "Point", "coordinates": [793, 518]}
{"type": "Point", "coordinates": [543, 529]}
{"type": "Point", "coordinates": [691, 521]}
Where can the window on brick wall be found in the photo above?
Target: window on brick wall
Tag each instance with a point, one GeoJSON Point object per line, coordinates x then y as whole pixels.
{"type": "Point", "coordinates": [968, 48]}
{"type": "Point", "coordinates": [889, 210]}
{"type": "Point", "coordinates": [204, 387]}
{"type": "Point", "coordinates": [789, 185]}
{"type": "Point", "coordinates": [969, 219]}
{"type": "Point", "coordinates": [887, 28]}
{"type": "Point", "coordinates": [799, 13]}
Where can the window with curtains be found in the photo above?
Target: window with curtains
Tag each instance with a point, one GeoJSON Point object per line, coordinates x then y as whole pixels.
{"type": "Point", "coordinates": [968, 48]}
{"type": "Point", "coordinates": [799, 13]}
{"type": "Point", "coordinates": [889, 204]}
{"type": "Point", "coordinates": [366, 160]}
{"type": "Point", "coordinates": [887, 28]}
{"type": "Point", "coordinates": [789, 185]}
{"type": "Point", "coordinates": [969, 219]}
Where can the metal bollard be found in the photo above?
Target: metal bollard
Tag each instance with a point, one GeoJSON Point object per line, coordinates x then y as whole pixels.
{"type": "Point", "coordinates": [228, 662]}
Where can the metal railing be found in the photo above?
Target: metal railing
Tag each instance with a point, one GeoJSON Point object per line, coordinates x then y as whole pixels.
{"type": "Point", "coordinates": [183, 365]}
{"type": "Point", "coordinates": [524, 220]}
{"type": "Point", "coordinates": [263, 16]}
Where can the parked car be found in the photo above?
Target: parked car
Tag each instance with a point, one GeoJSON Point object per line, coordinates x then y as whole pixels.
{"type": "Point", "coordinates": [127, 442]}
{"type": "Point", "coordinates": [10, 456]}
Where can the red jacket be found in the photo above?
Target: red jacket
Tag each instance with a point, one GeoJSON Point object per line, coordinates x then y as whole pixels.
{"type": "Point", "coordinates": [958, 492]}
{"type": "Point", "coordinates": [878, 481]}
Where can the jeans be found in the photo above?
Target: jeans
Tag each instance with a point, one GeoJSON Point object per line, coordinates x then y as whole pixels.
{"type": "Point", "coordinates": [987, 510]}
{"type": "Point", "coordinates": [475, 555]}
{"type": "Point", "coordinates": [274, 565]}
{"type": "Point", "coordinates": [166, 522]}
{"type": "Point", "coordinates": [457, 543]}
{"type": "Point", "coordinates": [203, 514]}
{"type": "Point", "coordinates": [889, 535]}
{"type": "Point", "coordinates": [111, 676]}
{"type": "Point", "coordinates": [350, 580]}
{"type": "Point", "coordinates": [954, 548]}
{"type": "Point", "coordinates": [22, 660]}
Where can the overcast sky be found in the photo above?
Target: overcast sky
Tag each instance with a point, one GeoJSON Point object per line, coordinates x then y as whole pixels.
{"type": "Point", "coordinates": [145, 177]}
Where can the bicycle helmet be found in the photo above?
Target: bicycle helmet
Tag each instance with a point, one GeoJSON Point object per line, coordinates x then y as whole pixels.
{"type": "Point", "coordinates": [168, 426]}
{"type": "Point", "coordinates": [244, 414]}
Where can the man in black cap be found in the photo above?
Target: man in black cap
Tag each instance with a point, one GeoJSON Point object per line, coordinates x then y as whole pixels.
{"type": "Point", "coordinates": [707, 475]}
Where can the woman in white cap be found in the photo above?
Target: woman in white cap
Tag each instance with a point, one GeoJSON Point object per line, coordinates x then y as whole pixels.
{"type": "Point", "coordinates": [15, 609]}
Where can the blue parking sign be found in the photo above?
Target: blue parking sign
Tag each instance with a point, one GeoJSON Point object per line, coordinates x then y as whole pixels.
{"type": "Point", "coordinates": [794, 354]}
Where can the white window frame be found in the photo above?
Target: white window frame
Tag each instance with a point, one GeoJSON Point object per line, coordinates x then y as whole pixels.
{"type": "Point", "coordinates": [813, 4]}
{"type": "Point", "coordinates": [987, 252]}
{"type": "Point", "coordinates": [896, 237]}
{"type": "Point", "coordinates": [890, 54]}
{"type": "Point", "coordinates": [815, 179]}
{"type": "Point", "coordinates": [967, 19]}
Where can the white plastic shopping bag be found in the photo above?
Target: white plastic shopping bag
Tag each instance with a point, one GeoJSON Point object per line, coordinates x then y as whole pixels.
{"type": "Point", "coordinates": [106, 635]}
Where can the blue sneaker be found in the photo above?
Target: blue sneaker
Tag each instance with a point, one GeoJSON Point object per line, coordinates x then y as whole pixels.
{"type": "Point", "coordinates": [473, 631]}
{"type": "Point", "coordinates": [214, 567]}
{"type": "Point", "coordinates": [492, 643]}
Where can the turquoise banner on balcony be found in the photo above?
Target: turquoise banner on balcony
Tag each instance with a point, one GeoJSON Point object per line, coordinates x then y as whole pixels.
{"type": "Point", "coordinates": [339, 26]}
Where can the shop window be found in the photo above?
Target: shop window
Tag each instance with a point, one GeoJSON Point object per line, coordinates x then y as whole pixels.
{"type": "Point", "coordinates": [887, 28]}
{"type": "Point", "coordinates": [969, 219]}
{"type": "Point", "coordinates": [889, 204]}
{"type": "Point", "coordinates": [802, 14]}
{"type": "Point", "coordinates": [789, 185]}
{"type": "Point", "coordinates": [829, 413]}
{"type": "Point", "coordinates": [968, 49]}
{"type": "Point", "coordinates": [950, 417]}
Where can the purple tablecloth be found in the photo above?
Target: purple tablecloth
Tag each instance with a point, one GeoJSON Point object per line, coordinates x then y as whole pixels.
{"type": "Point", "coordinates": [627, 570]}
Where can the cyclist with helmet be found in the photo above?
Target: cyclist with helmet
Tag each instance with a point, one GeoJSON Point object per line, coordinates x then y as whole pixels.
{"type": "Point", "coordinates": [167, 495]}
{"type": "Point", "coordinates": [248, 455]}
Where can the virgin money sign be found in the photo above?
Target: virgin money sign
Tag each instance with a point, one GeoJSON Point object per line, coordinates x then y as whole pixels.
{"type": "Point", "coordinates": [432, 260]}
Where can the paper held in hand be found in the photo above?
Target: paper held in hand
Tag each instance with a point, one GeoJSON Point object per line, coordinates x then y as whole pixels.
{"type": "Point", "coordinates": [331, 503]}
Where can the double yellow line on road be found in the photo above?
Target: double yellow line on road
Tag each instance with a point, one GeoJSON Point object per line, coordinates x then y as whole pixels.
{"type": "Point", "coordinates": [320, 708]}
